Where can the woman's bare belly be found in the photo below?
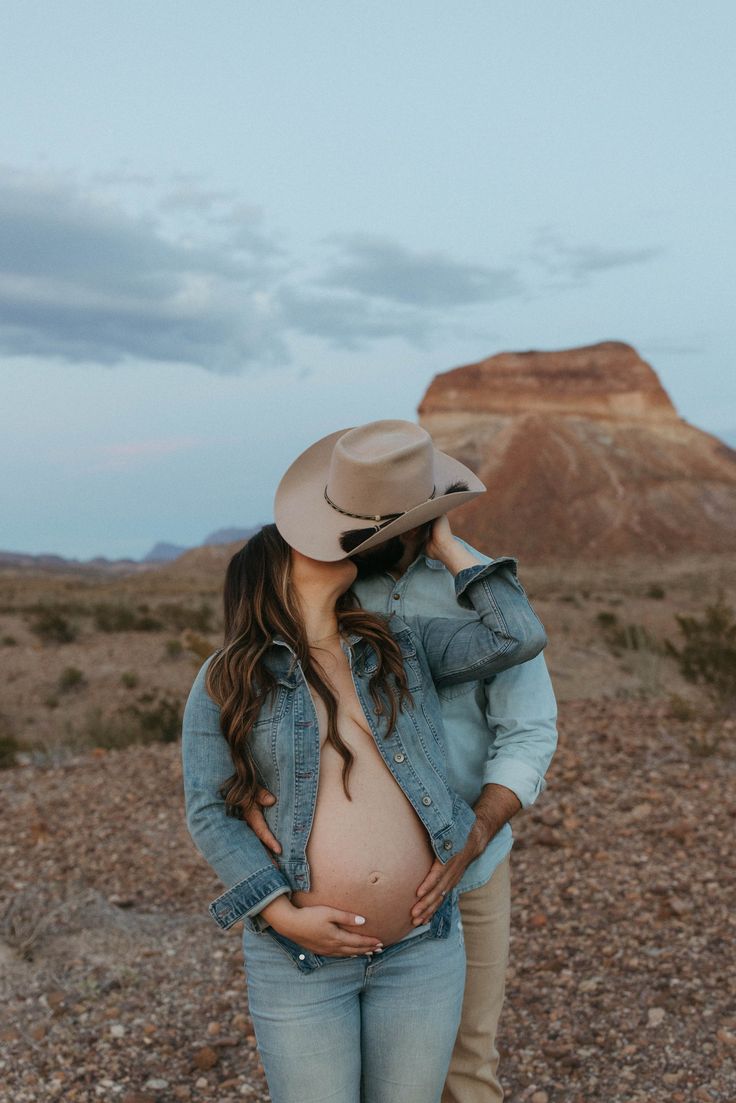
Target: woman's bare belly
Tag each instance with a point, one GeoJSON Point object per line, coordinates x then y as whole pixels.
{"type": "Point", "coordinates": [367, 855]}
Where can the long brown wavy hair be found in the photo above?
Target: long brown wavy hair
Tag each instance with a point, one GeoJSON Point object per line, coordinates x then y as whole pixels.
{"type": "Point", "coordinates": [259, 603]}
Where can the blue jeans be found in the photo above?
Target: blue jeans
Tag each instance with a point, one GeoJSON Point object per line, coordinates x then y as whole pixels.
{"type": "Point", "coordinates": [370, 1029]}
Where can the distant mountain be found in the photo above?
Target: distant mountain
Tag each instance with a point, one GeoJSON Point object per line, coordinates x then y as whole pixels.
{"type": "Point", "coordinates": [162, 552]}
{"type": "Point", "coordinates": [228, 536]}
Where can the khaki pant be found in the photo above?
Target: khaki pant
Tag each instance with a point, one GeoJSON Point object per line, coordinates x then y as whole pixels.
{"type": "Point", "coordinates": [486, 919]}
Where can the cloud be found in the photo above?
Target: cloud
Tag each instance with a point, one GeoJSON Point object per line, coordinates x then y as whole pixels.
{"type": "Point", "coordinates": [199, 278]}
{"type": "Point", "coordinates": [577, 262]}
{"type": "Point", "coordinates": [351, 321]}
{"type": "Point", "coordinates": [84, 280]}
{"type": "Point", "coordinates": [380, 268]}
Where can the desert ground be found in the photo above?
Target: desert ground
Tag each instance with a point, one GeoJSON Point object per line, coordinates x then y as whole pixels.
{"type": "Point", "coordinates": [117, 985]}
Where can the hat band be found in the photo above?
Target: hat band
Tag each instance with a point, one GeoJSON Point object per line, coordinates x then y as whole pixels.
{"type": "Point", "coordinates": [382, 519]}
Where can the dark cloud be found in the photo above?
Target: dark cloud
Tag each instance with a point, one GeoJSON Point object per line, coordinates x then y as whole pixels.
{"type": "Point", "coordinates": [351, 321]}
{"type": "Point", "coordinates": [577, 262]}
{"type": "Point", "coordinates": [379, 268]}
{"type": "Point", "coordinates": [82, 279]}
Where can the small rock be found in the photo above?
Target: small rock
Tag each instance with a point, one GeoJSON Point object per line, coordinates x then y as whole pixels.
{"type": "Point", "coordinates": [117, 1030]}
{"type": "Point", "coordinates": [540, 1097]}
{"type": "Point", "coordinates": [156, 1084]}
{"type": "Point", "coordinates": [655, 1016]}
{"type": "Point", "coordinates": [206, 1058]}
{"type": "Point", "coordinates": [539, 919]}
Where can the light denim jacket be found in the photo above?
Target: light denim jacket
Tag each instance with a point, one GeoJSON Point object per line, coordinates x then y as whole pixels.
{"type": "Point", "coordinates": [285, 741]}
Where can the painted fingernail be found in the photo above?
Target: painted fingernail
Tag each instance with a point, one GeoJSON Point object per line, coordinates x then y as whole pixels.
{"type": "Point", "coordinates": [359, 920]}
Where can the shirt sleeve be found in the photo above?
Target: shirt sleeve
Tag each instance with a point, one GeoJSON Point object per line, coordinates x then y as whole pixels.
{"type": "Point", "coordinates": [521, 713]}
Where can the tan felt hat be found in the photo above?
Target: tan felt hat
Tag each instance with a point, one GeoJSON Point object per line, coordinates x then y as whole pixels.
{"type": "Point", "coordinates": [386, 477]}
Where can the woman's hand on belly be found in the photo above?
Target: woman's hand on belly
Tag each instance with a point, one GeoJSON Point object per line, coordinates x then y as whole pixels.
{"type": "Point", "coordinates": [320, 928]}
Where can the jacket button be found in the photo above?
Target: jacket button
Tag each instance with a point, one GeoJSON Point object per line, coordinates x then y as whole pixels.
{"type": "Point", "coordinates": [426, 801]}
{"type": "Point", "coordinates": [397, 597]}
{"type": "Point", "coordinates": [399, 756]}
{"type": "Point", "coordinates": [447, 844]}
{"type": "Point", "coordinates": [302, 957]}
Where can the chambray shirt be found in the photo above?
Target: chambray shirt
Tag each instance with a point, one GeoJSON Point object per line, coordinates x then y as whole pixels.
{"type": "Point", "coordinates": [501, 730]}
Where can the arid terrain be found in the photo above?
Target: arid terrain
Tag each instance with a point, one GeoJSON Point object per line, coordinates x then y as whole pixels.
{"type": "Point", "coordinates": [116, 983]}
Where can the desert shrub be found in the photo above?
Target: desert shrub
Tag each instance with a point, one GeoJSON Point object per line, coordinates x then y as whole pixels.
{"type": "Point", "coordinates": [52, 625]}
{"type": "Point", "coordinates": [51, 702]}
{"type": "Point", "coordinates": [161, 723]}
{"type": "Point", "coordinates": [177, 616]}
{"type": "Point", "coordinates": [627, 637]}
{"type": "Point", "coordinates": [656, 592]}
{"type": "Point", "coordinates": [9, 641]}
{"type": "Point", "coordinates": [70, 678]}
{"type": "Point", "coordinates": [119, 617]}
{"type": "Point", "coordinates": [681, 709]}
{"type": "Point", "coordinates": [707, 656]}
{"type": "Point", "coordinates": [9, 745]}
{"type": "Point", "coordinates": [151, 720]}
{"type": "Point", "coordinates": [199, 646]}
{"type": "Point", "coordinates": [129, 679]}
{"type": "Point", "coordinates": [174, 648]}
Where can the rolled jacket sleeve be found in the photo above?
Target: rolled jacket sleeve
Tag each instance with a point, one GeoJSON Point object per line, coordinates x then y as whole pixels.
{"type": "Point", "coordinates": [506, 631]}
{"type": "Point", "coordinates": [227, 843]}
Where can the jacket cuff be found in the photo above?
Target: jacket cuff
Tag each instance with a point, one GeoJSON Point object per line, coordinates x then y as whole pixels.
{"type": "Point", "coordinates": [248, 896]}
{"type": "Point", "coordinates": [522, 779]}
{"type": "Point", "coordinates": [468, 575]}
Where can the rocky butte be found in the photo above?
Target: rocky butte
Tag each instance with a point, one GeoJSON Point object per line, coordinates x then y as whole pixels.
{"type": "Point", "coordinates": [584, 456]}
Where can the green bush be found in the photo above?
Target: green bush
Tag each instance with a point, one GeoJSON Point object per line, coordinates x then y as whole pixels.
{"type": "Point", "coordinates": [9, 641]}
{"type": "Point", "coordinates": [179, 617]}
{"type": "Point", "coordinates": [160, 722]}
{"type": "Point", "coordinates": [607, 620]}
{"type": "Point", "coordinates": [707, 656]}
{"type": "Point", "coordinates": [119, 617]}
{"type": "Point", "coordinates": [656, 592]}
{"type": "Point", "coordinates": [174, 648]}
{"type": "Point", "coordinates": [129, 679]}
{"type": "Point", "coordinates": [52, 626]}
{"type": "Point", "coordinates": [70, 678]}
{"type": "Point", "coordinates": [9, 745]}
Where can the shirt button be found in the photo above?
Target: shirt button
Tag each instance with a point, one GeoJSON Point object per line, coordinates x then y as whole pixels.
{"type": "Point", "coordinates": [447, 844]}
{"type": "Point", "coordinates": [426, 801]}
{"type": "Point", "coordinates": [302, 957]}
{"type": "Point", "coordinates": [399, 756]}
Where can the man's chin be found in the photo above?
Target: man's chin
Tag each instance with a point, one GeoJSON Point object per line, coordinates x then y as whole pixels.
{"type": "Point", "coordinates": [380, 559]}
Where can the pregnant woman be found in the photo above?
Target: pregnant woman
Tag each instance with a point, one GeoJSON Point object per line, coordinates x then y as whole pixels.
{"type": "Point", "coordinates": [334, 710]}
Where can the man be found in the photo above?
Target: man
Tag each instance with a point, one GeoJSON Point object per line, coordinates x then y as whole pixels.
{"type": "Point", "coordinates": [501, 735]}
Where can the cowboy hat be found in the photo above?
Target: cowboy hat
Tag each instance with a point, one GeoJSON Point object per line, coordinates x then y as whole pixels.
{"type": "Point", "coordinates": [383, 478]}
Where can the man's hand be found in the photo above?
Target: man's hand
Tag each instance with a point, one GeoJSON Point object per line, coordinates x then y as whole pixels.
{"type": "Point", "coordinates": [494, 807]}
{"type": "Point", "coordinates": [257, 821]}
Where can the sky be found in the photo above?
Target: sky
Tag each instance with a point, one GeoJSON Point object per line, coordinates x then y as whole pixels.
{"type": "Point", "coordinates": [229, 229]}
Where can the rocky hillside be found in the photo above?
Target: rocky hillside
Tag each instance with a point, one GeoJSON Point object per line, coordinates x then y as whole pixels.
{"type": "Point", "coordinates": [584, 456]}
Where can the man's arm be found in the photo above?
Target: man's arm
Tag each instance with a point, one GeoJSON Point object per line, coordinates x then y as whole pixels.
{"type": "Point", "coordinates": [521, 713]}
